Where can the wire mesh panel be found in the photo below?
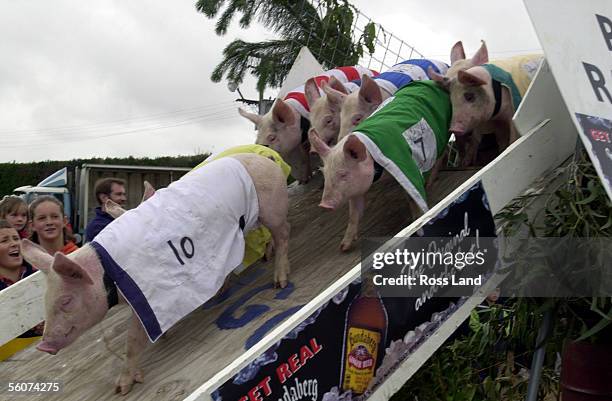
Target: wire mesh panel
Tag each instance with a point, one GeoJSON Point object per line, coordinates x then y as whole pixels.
{"type": "Point", "coordinates": [333, 42]}
{"type": "Point", "coordinates": [388, 48]}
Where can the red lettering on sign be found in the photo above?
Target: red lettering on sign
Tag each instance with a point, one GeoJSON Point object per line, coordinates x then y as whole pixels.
{"type": "Point", "coordinates": [283, 372]}
{"type": "Point", "coordinates": [265, 385]}
{"type": "Point", "coordinates": [305, 354]}
{"type": "Point", "coordinates": [294, 364]}
{"type": "Point", "coordinates": [254, 394]}
{"type": "Point", "coordinates": [244, 398]}
{"type": "Point", "coordinates": [314, 346]}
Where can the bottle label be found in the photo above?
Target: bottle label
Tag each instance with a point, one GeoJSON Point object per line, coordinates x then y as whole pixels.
{"type": "Point", "coordinates": [360, 358]}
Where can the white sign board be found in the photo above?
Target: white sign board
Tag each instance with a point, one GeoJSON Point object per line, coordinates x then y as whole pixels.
{"type": "Point", "coordinates": [305, 66]}
{"type": "Point", "coordinates": [577, 39]}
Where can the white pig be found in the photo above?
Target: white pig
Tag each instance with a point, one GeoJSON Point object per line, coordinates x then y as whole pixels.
{"type": "Point", "coordinates": [478, 111]}
{"type": "Point", "coordinates": [325, 108]}
{"type": "Point", "coordinates": [78, 284]}
{"type": "Point", "coordinates": [406, 136]}
{"type": "Point", "coordinates": [285, 127]}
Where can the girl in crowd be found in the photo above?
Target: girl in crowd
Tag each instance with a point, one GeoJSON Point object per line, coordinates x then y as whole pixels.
{"type": "Point", "coordinates": [15, 210]}
{"type": "Point", "coordinates": [12, 269]}
{"type": "Point", "coordinates": [49, 226]}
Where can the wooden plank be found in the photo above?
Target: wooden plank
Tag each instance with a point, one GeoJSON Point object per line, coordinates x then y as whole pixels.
{"type": "Point", "coordinates": [21, 306]}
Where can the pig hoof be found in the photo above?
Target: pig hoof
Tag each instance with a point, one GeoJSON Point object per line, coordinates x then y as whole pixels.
{"type": "Point", "coordinates": [280, 284]}
{"type": "Point", "coordinates": [126, 380]}
{"type": "Point", "coordinates": [345, 247]}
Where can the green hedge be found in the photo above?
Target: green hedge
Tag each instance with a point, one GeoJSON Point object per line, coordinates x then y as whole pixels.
{"type": "Point", "coordinates": [13, 175]}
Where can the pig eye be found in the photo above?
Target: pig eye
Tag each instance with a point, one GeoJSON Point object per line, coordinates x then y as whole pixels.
{"type": "Point", "coordinates": [343, 175]}
{"type": "Point", "coordinates": [65, 303]}
{"type": "Point", "coordinates": [469, 97]}
{"type": "Point", "coordinates": [328, 121]}
{"type": "Point", "coordinates": [357, 119]}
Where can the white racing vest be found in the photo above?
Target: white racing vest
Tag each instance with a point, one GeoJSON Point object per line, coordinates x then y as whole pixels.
{"type": "Point", "coordinates": [172, 253]}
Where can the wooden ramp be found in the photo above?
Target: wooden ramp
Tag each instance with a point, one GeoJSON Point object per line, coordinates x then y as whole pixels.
{"type": "Point", "coordinates": [196, 349]}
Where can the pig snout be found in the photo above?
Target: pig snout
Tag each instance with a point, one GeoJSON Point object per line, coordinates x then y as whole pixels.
{"type": "Point", "coordinates": [457, 129]}
{"type": "Point", "coordinates": [48, 347]}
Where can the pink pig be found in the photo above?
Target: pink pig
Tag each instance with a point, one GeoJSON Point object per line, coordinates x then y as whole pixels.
{"type": "Point", "coordinates": [280, 129]}
{"type": "Point", "coordinates": [467, 145]}
{"type": "Point", "coordinates": [76, 297]}
{"type": "Point", "coordinates": [481, 105]}
{"type": "Point", "coordinates": [325, 109]}
{"type": "Point", "coordinates": [360, 104]}
{"type": "Point", "coordinates": [348, 170]}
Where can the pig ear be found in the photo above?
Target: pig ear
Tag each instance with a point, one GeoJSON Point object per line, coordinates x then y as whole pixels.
{"type": "Point", "coordinates": [469, 79]}
{"type": "Point", "coordinates": [355, 149]}
{"type": "Point", "coordinates": [113, 209]}
{"type": "Point", "coordinates": [282, 113]}
{"type": "Point", "coordinates": [457, 52]}
{"type": "Point", "coordinates": [69, 270]}
{"type": "Point", "coordinates": [35, 255]}
{"type": "Point", "coordinates": [369, 91]}
{"type": "Point", "coordinates": [254, 118]}
{"type": "Point", "coordinates": [317, 144]}
{"type": "Point", "coordinates": [333, 96]}
{"type": "Point", "coordinates": [438, 78]}
{"type": "Point", "coordinates": [482, 55]}
{"type": "Point", "coordinates": [311, 90]}
{"type": "Point", "coordinates": [337, 85]}
{"type": "Point", "coordinates": [149, 191]}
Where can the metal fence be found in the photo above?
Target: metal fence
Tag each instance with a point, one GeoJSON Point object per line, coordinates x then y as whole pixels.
{"type": "Point", "coordinates": [389, 49]}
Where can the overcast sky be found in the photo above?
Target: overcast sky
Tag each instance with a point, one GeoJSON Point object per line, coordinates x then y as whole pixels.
{"type": "Point", "coordinates": [120, 78]}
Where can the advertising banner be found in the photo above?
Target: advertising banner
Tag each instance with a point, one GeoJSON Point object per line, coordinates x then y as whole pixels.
{"type": "Point", "coordinates": [353, 342]}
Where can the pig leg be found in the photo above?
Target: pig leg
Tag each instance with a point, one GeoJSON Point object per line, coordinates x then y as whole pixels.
{"type": "Point", "coordinates": [137, 341]}
{"type": "Point", "coordinates": [471, 149]}
{"type": "Point", "coordinates": [356, 208]}
{"type": "Point", "coordinates": [435, 170]}
{"type": "Point", "coordinates": [280, 234]}
{"type": "Point", "coordinates": [269, 250]}
{"type": "Point", "coordinates": [274, 206]}
{"type": "Point", "coordinates": [271, 187]}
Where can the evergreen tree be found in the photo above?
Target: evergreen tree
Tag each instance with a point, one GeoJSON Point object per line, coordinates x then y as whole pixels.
{"type": "Point", "coordinates": [326, 31]}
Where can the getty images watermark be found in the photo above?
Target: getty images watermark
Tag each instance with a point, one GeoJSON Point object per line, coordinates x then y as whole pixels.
{"type": "Point", "coordinates": [434, 266]}
{"type": "Point", "coordinates": [456, 266]}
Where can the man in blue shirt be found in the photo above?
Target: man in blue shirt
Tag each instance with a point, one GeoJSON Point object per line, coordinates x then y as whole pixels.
{"type": "Point", "coordinates": [106, 188]}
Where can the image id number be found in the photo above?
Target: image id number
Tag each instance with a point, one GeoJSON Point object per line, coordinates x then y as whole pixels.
{"type": "Point", "coordinates": [33, 387]}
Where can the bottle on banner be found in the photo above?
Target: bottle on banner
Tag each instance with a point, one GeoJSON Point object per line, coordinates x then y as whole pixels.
{"type": "Point", "coordinates": [365, 332]}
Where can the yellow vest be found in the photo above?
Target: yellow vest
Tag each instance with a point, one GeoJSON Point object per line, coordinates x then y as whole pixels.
{"type": "Point", "coordinates": [15, 345]}
{"type": "Point", "coordinates": [522, 68]}
{"type": "Point", "coordinates": [256, 240]}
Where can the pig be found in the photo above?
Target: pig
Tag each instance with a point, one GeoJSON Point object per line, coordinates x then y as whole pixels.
{"type": "Point", "coordinates": [360, 104]}
{"type": "Point", "coordinates": [285, 127]}
{"type": "Point", "coordinates": [467, 145]}
{"type": "Point", "coordinates": [481, 103]}
{"type": "Point", "coordinates": [325, 108]}
{"type": "Point", "coordinates": [77, 284]}
{"type": "Point", "coordinates": [407, 135]}
{"type": "Point", "coordinates": [485, 99]}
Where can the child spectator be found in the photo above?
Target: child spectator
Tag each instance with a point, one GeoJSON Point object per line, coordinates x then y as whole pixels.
{"type": "Point", "coordinates": [12, 269]}
{"type": "Point", "coordinates": [49, 226]}
{"type": "Point", "coordinates": [15, 210]}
